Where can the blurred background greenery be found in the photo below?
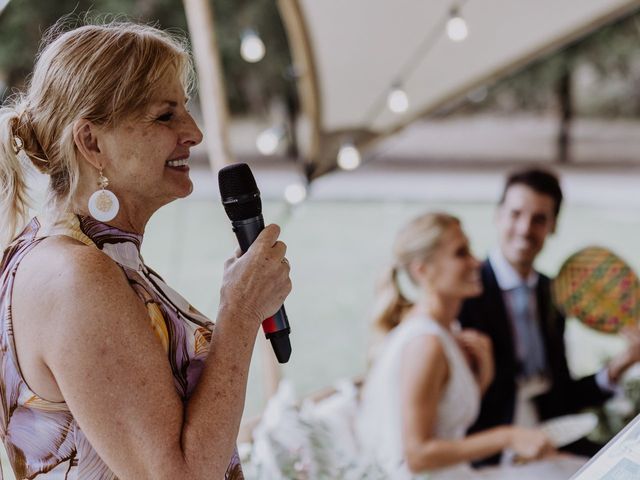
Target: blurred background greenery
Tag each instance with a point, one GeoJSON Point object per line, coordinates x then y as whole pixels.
{"type": "Point", "coordinates": [606, 61]}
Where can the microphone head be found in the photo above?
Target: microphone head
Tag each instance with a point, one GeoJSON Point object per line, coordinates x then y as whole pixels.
{"type": "Point", "coordinates": [239, 192]}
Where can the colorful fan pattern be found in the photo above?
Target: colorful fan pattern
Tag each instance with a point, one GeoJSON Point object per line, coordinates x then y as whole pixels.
{"type": "Point", "coordinates": [598, 288]}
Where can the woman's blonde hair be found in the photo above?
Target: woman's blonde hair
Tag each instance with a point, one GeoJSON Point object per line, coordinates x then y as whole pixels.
{"type": "Point", "coordinates": [103, 73]}
{"type": "Point", "coordinates": [418, 240]}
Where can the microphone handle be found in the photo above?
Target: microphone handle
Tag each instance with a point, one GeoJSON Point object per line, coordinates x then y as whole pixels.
{"type": "Point", "coordinates": [276, 328]}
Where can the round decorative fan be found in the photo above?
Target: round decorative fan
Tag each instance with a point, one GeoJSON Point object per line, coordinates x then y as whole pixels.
{"type": "Point", "coordinates": [599, 289]}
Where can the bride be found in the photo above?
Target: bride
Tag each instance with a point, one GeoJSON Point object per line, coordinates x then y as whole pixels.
{"type": "Point", "coordinates": [424, 388]}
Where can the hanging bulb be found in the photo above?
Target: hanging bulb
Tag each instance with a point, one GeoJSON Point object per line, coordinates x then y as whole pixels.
{"type": "Point", "coordinates": [397, 100]}
{"type": "Point", "coordinates": [252, 48]}
{"type": "Point", "coordinates": [268, 141]}
{"type": "Point", "coordinates": [478, 95]}
{"type": "Point", "coordinates": [295, 193]}
{"type": "Point", "coordinates": [457, 29]}
{"type": "Point", "coordinates": [349, 156]}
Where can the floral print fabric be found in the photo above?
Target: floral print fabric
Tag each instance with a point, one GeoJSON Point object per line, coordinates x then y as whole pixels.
{"type": "Point", "coordinates": [42, 439]}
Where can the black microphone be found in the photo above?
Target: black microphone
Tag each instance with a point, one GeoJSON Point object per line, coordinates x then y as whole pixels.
{"type": "Point", "coordinates": [241, 201]}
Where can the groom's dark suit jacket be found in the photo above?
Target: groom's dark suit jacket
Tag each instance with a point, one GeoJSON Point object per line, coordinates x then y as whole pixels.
{"type": "Point", "coordinates": [488, 314]}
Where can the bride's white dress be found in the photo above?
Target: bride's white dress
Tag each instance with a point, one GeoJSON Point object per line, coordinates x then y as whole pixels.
{"type": "Point", "coordinates": [379, 422]}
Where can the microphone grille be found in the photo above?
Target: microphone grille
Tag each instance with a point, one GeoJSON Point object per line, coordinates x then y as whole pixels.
{"type": "Point", "coordinates": [235, 180]}
{"type": "Point", "coordinates": [239, 192]}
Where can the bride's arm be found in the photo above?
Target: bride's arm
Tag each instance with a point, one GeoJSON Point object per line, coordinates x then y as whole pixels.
{"type": "Point", "coordinates": [423, 376]}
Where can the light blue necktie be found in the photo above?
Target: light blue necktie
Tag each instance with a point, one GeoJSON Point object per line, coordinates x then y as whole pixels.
{"type": "Point", "coordinates": [529, 344]}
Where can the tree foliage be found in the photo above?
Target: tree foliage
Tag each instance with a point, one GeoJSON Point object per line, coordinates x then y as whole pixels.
{"type": "Point", "coordinates": [604, 66]}
{"type": "Point", "coordinates": [250, 87]}
{"type": "Point", "coordinates": [605, 71]}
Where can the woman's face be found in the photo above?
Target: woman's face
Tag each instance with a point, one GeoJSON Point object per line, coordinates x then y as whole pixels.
{"type": "Point", "coordinates": [453, 271]}
{"type": "Point", "coordinates": [148, 155]}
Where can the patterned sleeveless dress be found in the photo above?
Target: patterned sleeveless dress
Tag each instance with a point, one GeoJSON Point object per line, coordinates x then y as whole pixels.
{"type": "Point", "coordinates": [42, 439]}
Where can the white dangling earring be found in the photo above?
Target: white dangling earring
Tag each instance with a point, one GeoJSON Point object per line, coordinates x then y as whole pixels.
{"type": "Point", "coordinates": [103, 204]}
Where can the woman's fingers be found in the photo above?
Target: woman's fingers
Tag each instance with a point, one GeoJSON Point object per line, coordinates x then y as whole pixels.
{"type": "Point", "coordinates": [259, 278]}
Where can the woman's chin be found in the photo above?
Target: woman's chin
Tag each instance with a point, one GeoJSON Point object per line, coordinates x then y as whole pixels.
{"type": "Point", "coordinates": [473, 291]}
{"type": "Point", "coordinates": [176, 194]}
{"type": "Point", "coordinates": [182, 190]}
{"type": "Point", "coordinates": [188, 191]}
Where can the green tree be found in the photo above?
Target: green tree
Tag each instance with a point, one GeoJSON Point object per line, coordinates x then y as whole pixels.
{"type": "Point", "coordinates": [610, 52]}
{"type": "Point", "coordinates": [250, 87]}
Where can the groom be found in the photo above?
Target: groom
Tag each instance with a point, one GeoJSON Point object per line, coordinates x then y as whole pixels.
{"type": "Point", "coordinates": [532, 381]}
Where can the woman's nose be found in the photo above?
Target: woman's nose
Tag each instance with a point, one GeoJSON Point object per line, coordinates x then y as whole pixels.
{"type": "Point", "coordinates": [190, 135]}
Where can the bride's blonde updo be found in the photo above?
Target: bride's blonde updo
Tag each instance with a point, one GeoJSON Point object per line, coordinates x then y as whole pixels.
{"type": "Point", "coordinates": [418, 240]}
{"type": "Point", "coordinates": [100, 72]}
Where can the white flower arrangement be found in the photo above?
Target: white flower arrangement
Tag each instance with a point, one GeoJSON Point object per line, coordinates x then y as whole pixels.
{"type": "Point", "coordinates": [312, 442]}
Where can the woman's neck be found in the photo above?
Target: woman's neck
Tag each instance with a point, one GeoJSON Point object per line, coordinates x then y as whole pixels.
{"type": "Point", "coordinates": [128, 219]}
{"type": "Point", "coordinates": [442, 310]}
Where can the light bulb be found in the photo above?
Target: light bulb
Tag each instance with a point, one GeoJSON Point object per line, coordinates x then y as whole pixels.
{"type": "Point", "coordinates": [478, 95]}
{"type": "Point", "coordinates": [252, 48]}
{"type": "Point", "coordinates": [349, 157]}
{"type": "Point", "coordinates": [268, 141]}
{"type": "Point", "coordinates": [295, 193]}
{"type": "Point", "coordinates": [457, 28]}
{"type": "Point", "coordinates": [397, 100]}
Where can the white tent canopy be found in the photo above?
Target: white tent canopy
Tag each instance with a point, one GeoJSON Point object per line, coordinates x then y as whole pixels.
{"type": "Point", "coordinates": [349, 54]}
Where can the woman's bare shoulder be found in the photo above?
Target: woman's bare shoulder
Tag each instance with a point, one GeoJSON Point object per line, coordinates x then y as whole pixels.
{"type": "Point", "coordinates": [71, 276]}
{"type": "Point", "coordinates": [67, 298]}
{"type": "Point", "coordinates": [424, 359]}
{"type": "Point", "coordinates": [61, 259]}
{"type": "Point", "coordinates": [427, 346]}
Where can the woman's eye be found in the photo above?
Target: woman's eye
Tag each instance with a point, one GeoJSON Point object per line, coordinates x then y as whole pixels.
{"type": "Point", "coordinates": [165, 117]}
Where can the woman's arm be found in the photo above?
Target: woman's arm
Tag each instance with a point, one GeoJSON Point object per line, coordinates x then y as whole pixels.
{"type": "Point", "coordinates": [113, 372]}
{"type": "Point", "coordinates": [423, 377]}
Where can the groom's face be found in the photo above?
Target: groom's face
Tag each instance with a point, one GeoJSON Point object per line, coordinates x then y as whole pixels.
{"type": "Point", "coordinates": [524, 220]}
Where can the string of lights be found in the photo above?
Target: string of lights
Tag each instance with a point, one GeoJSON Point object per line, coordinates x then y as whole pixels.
{"type": "Point", "coordinates": [395, 98]}
{"type": "Point", "coordinates": [252, 48]}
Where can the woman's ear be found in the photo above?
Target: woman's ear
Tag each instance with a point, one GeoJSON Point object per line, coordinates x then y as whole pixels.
{"type": "Point", "coordinates": [85, 136]}
{"type": "Point", "coordinates": [418, 271]}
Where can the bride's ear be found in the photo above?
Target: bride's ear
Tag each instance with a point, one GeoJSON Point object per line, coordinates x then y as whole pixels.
{"type": "Point", "coordinates": [418, 271]}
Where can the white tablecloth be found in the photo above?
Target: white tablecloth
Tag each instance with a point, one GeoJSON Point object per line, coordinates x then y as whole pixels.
{"type": "Point", "coordinates": [559, 467]}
